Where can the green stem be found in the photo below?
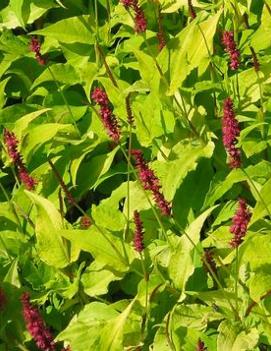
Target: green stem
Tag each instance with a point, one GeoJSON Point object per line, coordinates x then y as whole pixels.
{"type": "Point", "coordinates": [257, 191]}
{"type": "Point", "coordinates": [236, 277]}
{"type": "Point", "coordinates": [168, 336]}
{"type": "Point", "coordinates": [96, 17]}
{"type": "Point", "coordinates": [107, 68]}
{"type": "Point", "coordinates": [146, 278]}
{"type": "Point", "coordinates": [65, 101]}
{"type": "Point", "coordinates": [126, 230]}
{"type": "Point", "coordinates": [22, 347]}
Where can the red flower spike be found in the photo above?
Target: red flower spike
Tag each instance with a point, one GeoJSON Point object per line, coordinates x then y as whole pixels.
{"type": "Point", "coordinates": [35, 47]}
{"type": "Point", "coordinates": [230, 48]}
{"type": "Point", "coordinates": [3, 299]}
{"type": "Point", "coordinates": [138, 237]}
{"type": "Point", "coordinates": [109, 120]}
{"type": "Point", "coordinates": [28, 181]}
{"type": "Point", "coordinates": [240, 223]}
{"type": "Point", "coordinates": [100, 97]}
{"type": "Point", "coordinates": [140, 20]}
{"type": "Point", "coordinates": [36, 326]}
{"type": "Point", "coordinates": [208, 257]}
{"type": "Point", "coordinates": [12, 143]}
{"type": "Point", "coordinates": [231, 131]}
{"type": "Point", "coordinates": [85, 222]}
{"type": "Point", "coordinates": [255, 60]}
{"type": "Point", "coordinates": [151, 182]}
{"type": "Point", "coordinates": [191, 9]}
{"type": "Point", "coordinates": [160, 35]}
{"type": "Point", "coordinates": [201, 346]}
{"type": "Point", "coordinates": [127, 3]}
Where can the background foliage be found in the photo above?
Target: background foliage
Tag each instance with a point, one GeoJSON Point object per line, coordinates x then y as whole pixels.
{"type": "Point", "coordinates": [94, 291]}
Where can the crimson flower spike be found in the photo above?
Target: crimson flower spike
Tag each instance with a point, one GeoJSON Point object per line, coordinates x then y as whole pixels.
{"type": "Point", "coordinates": [130, 117]}
{"type": "Point", "coordinates": [150, 182]}
{"type": "Point", "coordinates": [191, 9]}
{"type": "Point", "coordinates": [3, 299]}
{"type": "Point", "coordinates": [139, 234]}
{"type": "Point", "coordinates": [231, 49]}
{"type": "Point", "coordinates": [160, 35]}
{"type": "Point", "coordinates": [208, 256]}
{"type": "Point", "coordinates": [230, 132]}
{"type": "Point", "coordinates": [35, 47]}
{"type": "Point", "coordinates": [12, 144]}
{"type": "Point", "coordinates": [240, 223]}
{"type": "Point", "coordinates": [36, 325]}
{"type": "Point", "coordinates": [109, 120]}
{"type": "Point", "coordinates": [255, 60]}
{"type": "Point", "coordinates": [140, 20]}
{"type": "Point", "coordinates": [85, 222]}
{"type": "Point", "coordinates": [201, 346]}
{"type": "Point", "coordinates": [67, 193]}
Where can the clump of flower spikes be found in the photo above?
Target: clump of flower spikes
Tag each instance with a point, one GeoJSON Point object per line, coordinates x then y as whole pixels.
{"type": "Point", "coordinates": [240, 223]}
{"type": "Point", "coordinates": [12, 143]}
{"type": "Point", "coordinates": [231, 49]}
{"type": "Point", "coordinates": [201, 346]}
{"type": "Point", "coordinates": [151, 182]}
{"type": "Point", "coordinates": [109, 120]}
{"type": "Point", "coordinates": [35, 47]}
{"type": "Point", "coordinates": [140, 20]}
{"type": "Point", "coordinates": [139, 234]}
{"type": "Point", "coordinates": [3, 299]}
{"type": "Point", "coordinates": [191, 9]}
{"type": "Point", "coordinates": [231, 131]}
{"type": "Point", "coordinates": [36, 325]}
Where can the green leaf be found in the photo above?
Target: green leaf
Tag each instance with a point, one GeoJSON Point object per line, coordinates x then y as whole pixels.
{"type": "Point", "coordinates": [3, 84]}
{"type": "Point", "coordinates": [169, 6]}
{"type": "Point", "coordinates": [260, 283]}
{"type": "Point", "coordinates": [62, 72]}
{"type": "Point", "coordinates": [12, 276]}
{"type": "Point", "coordinates": [221, 186]}
{"type": "Point", "coordinates": [232, 338]}
{"type": "Point", "coordinates": [21, 8]}
{"type": "Point", "coordinates": [172, 173]}
{"type": "Point", "coordinates": [69, 30]}
{"type": "Point", "coordinates": [83, 332]}
{"type": "Point", "coordinates": [263, 205]}
{"type": "Point", "coordinates": [98, 165]}
{"type": "Point", "coordinates": [22, 123]}
{"type": "Point", "coordinates": [104, 247]}
{"type": "Point", "coordinates": [51, 247]}
{"type": "Point", "coordinates": [41, 134]}
{"type": "Point", "coordinates": [188, 54]}
{"type": "Point", "coordinates": [181, 265]}
{"type": "Point", "coordinates": [256, 251]}
{"type": "Point", "coordinates": [112, 334]}
{"type": "Point", "coordinates": [96, 279]}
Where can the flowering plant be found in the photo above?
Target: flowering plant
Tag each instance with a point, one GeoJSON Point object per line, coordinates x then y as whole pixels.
{"type": "Point", "coordinates": [135, 175]}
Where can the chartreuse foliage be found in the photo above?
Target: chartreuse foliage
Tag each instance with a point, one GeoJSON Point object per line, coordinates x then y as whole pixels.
{"type": "Point", "coordinates": [69, 241]}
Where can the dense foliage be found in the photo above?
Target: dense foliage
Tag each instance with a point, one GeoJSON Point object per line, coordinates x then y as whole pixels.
{"type": "Point", "coordinates": [135, 179]}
